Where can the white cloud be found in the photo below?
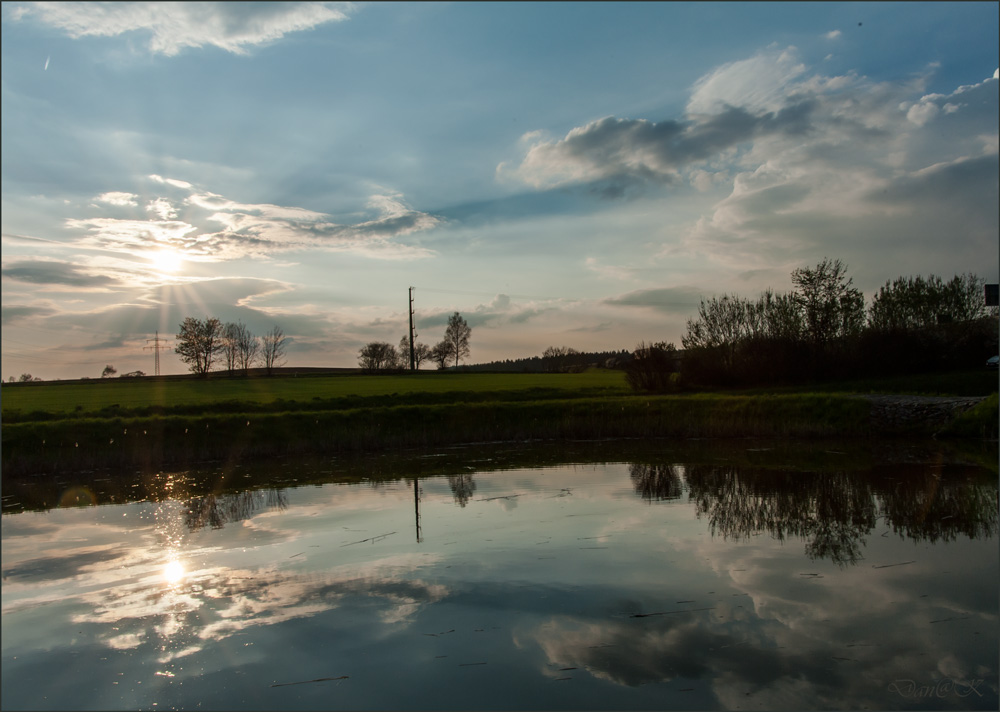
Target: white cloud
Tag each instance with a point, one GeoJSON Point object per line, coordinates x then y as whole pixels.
{"type": "Point", "coordinates": [832, 35]}
{"type": "Point", "coordinates": [173, 26]}
{"type": "Point", "coordinates": [251, 230]}
{"type": "Point", "coordinates": [117, 198]}
{"type": "Point", "coordinates": [162, 208]}
{"type": "Point", "coordinates": [757, 84]}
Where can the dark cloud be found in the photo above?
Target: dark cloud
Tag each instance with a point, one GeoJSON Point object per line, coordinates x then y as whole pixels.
{"type": "Point", "coordinates": [679, 300]}
{"type": "Point", "coordinates": [967, 181]}
{"type": "Point", "coordinates": [16, 312]}
{"type": "Point", "coordinates": [619, 150]}
{"type": "Point", "coordinates": [56, 273]}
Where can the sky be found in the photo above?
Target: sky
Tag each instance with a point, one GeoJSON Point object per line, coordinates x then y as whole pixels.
{"type": "Point", "coordinates": [561, 174]}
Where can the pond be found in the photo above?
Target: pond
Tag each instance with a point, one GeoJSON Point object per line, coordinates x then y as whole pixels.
{"type": "Point", "coordinates": [695, 575]}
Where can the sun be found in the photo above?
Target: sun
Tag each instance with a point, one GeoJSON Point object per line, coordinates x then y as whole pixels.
{"type": "Point", "coordinates": [167, 260]}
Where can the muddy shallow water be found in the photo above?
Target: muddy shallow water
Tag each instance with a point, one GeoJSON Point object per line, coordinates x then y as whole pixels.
{"type": "Point", "coordinates": [703, 575]}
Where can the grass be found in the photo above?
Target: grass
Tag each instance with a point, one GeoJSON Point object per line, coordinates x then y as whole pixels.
{"type": "Point", "coordinates": [149, 423]}
{"type": "Point", "coordinates": [96, 396]}
{"type": "Point", "coordinates": [148, 442]}
{"type": "Point", "coordinates": [977, 382]}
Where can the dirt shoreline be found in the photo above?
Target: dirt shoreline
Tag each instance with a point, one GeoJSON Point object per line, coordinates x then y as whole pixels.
{"type": "Point", "coordinates": [890, 413]}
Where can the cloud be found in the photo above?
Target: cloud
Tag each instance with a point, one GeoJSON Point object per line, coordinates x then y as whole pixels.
{"type": "Point", "coordinates": [675, 300]}
{"type": "Point", "coordinates": [117, 198]}
{"type": "Point", "coordinates": [251, 230]}
{"type": "Point", "coordinates": [833, 35]}
{"type": "Point", "coordinates": [756, 84]}
{"type": "Point", "coordinates": [803, 164]}
{"type": "Point", "coordinates": [12, 313]}
{"type": "Point", "coordinates": [162, 208]}
{"type": "Point", "coordinates": [500, 310]}
{"type": "Point", "coordinates": [622, 150]}
{"type": "Point", "coordinates": [174, 26]}
{"type": "Point", "coordinates": [56, 273]}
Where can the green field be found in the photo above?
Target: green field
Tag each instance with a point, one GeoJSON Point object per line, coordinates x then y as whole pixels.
{"type": "Point", "coordinates": [128, 394]}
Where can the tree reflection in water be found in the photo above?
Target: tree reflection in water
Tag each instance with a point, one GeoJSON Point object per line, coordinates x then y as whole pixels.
{"type": "Point", "coordinates": [833, 512]}
{"type": "Point", "coordinates": [217, 510]}
{"type": "Point", "coordinates": [657, 482]}
{"type": "Point", "coordinates": [462, 486]}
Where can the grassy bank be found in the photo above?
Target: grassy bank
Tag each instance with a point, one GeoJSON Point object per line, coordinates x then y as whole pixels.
{"type": "Point", "coordinates": [147, 424]}
{"type": "Point", "coordinates": [87, 443]}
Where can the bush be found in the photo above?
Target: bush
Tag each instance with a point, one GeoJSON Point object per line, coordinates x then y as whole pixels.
{"type": "Point", "coordinates": [653, 368]}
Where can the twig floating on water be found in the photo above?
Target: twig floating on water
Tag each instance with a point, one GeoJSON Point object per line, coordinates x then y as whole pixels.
{"type": "Point", "coordinates": [667, 613]}
{"type": "Point", "coordinates": [945, 620]}
{"type": "Point", "coordinates": [303, 682]}
{"type": "Point", "coordinates": [886, 566]}
{"type": "Point", "coordinates": [372, 539]}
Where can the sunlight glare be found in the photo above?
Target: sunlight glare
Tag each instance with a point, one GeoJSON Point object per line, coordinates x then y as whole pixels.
{"type": "Point", "coordinates": [173, 572]}
{"type": "Point", "coordinates": [167, 260]}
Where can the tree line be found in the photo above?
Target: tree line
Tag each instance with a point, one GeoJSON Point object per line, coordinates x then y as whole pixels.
{"type": "Point", "coordinates": [822, 329]}
{"type": "Point", "coordinates": [204, 343]}
{"type": "Point", "coordinates": [382, 357]}
{"type": "Point", "coordinates": [557, 359]}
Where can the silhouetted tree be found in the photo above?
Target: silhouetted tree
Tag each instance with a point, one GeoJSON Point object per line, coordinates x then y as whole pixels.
{"type": "Point", "coordinates": [652, 368]}
{"type": "Point", "coordinates": [272, 349]}
{"type": "Point", "coordinates": [241, 346]}
{"type": "Point", "coordinates": [456, 338]}
{"type": "Point", "coordinates": [227, 345]}
{"type": "Point", "coordinates": [198, 343]}
{"type": "Point", "coordinates": [556, 358]}
{"type": "Point", "coordinates": [378, 356]}
{"type": "Point", "coordinates": [421, 352]}
{"type": "Point", "coordinates": [108, 371]}
{"type": "Point", "coordinates": [831, 305]}
{"type": "Point", "coordinates": [909, 303]}
{"type": "Point", "coordinates": [440, 355]}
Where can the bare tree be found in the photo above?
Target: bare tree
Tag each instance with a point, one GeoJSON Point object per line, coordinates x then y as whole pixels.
{"type": "Point", "coordinates": [378, 356]}
{"type": "Point", "coordinates": [198, 343]}
{"type": "Point", "coordinates": [421, 352]}
{"type": "Point", "coordinates": [831, 305]}
{"type": "Point", "coordinates": [440, 355]}
{"type": "Point", "coordinates": [242, 347]}
{"type": "Point", "coordinates": [227, 345]}
{"type": "Point", "coordinates": [272, 349]}
{"type": "Point", "coordinates": [456, 338]}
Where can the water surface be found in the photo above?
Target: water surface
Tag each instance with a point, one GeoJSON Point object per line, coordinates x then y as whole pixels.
{"type": "Point", "coordinates": [613, 576]}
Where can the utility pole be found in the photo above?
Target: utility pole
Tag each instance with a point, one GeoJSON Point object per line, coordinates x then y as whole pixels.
{"type": "Point", "coordinates": [156, 351]}
{"type": "Point", "coordinates": [413, 366]}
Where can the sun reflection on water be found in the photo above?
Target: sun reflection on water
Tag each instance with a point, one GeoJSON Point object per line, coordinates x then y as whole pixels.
{"type": "Point", "coordinates": [174, 572]}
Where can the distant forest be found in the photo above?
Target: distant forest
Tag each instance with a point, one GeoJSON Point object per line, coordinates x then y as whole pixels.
{"type": "Point", "coordinates": [555, 360]}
